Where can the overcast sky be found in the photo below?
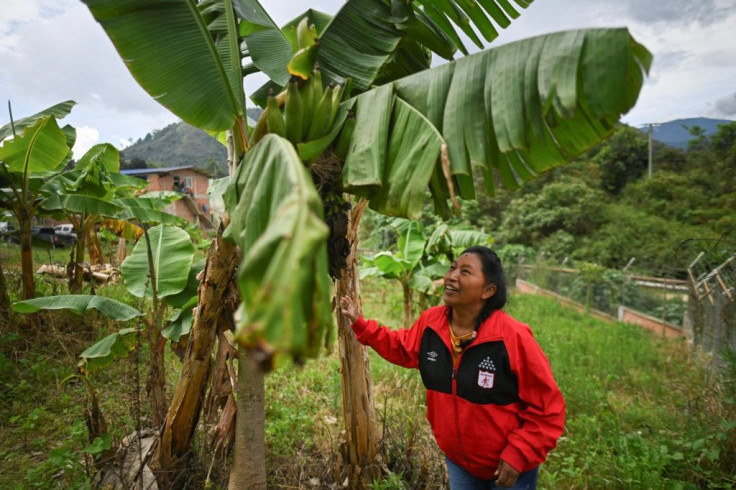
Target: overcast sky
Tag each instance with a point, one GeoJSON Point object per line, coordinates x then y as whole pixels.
{"type": "Point", "coordinates": [53, 50]}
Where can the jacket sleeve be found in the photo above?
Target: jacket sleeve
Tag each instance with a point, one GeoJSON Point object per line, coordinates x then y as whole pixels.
{"type": "Point", "coordinates": [400, 347]}
{"type": "Point", "coordinates": [543, 413]}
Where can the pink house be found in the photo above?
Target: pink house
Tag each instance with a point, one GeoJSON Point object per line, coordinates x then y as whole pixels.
{"type": "Point", "coordinates": [190, 181]}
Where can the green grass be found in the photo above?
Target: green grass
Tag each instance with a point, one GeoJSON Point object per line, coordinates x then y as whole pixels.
{"type": "Point", "coordinates": [643, 412]}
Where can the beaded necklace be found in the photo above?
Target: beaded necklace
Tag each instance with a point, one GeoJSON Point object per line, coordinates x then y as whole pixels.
{"type": "Point", "coordinates": [459, 343]}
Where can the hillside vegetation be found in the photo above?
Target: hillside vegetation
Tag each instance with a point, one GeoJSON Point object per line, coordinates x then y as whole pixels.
{"type": "Point", "coordinates": [605, 209]}
{"type": "Point", "coordinates": [177, 144]}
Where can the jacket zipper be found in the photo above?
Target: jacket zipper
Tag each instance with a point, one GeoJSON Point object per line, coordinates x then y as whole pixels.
{"type": "Point", "coordinates": [457, 411]}
{"type": "Point", "coordinates": [454, 389]}
{"type": "Point", "coordinates": [454, 396]}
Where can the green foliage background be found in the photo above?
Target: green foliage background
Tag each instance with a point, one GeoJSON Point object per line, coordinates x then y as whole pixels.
{"type": "Point", "coordinates": [604, 209]}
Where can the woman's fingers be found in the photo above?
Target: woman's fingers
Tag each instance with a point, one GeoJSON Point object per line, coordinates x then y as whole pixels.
{"type": "Point", "coordinates": [348, 308]}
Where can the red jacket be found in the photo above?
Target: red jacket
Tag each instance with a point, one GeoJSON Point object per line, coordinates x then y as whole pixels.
{"type": "Point", "coordinates": [500, 402]}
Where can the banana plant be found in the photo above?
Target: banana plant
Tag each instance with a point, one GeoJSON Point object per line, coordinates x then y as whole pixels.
{"type": "Point", "coordinates": [84, 197]}
{"type": "Point", "coordinates": [399, 128]}
{"type": "Point", "coordinates": [97, 356]}
{"type": "Point", "coordinates": [419, 260]}
{"type": "Point", "coordinates": [158, 268]}
{"type": "Point", "coordinates": [34, 150]}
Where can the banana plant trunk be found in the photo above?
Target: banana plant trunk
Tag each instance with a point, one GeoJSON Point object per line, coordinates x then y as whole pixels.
{"type": "Point", "coordinates": [5, 310]}
{"type": "Point", "coordinates": [77, 279]}
{"type": "Point", "coordinates": [155, 384]}
{"type": "Point", "coordinates": [408, 304]}
{"type": "Point", "coordinates": [186, 404]}
{"type": "Point", "coordinates": [248, 470]}
{"type": "Point", "coordinates": [217, 282]}
{"type": "Point", "coordinates": [360, 455]}
{"type": "Point", "coordinates": [93, 247]}
{"type": "Point", "coordinates": [26, 259]}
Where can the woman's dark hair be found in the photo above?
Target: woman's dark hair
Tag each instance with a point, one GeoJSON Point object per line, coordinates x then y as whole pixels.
{"type": "Point", "coordinates": [493, 273]}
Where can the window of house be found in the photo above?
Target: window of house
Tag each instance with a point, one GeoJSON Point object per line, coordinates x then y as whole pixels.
{"type": "Point", "coordinates": [188, 183]}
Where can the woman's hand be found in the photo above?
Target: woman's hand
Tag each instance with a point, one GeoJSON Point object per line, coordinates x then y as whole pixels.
{"type": "Point", "coordinates": [506, 475]}
{"type": "Point", "coordinates": [349, 308]}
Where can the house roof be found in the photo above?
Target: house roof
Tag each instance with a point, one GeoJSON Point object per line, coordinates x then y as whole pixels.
{"type": "Point", "coordinates": [164, 170]}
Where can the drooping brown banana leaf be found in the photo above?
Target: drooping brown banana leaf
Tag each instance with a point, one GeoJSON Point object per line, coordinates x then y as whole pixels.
{"type": "Point", "coordinates": [514, 112]}
{"type": "Point", "coordinates": [276, 219]}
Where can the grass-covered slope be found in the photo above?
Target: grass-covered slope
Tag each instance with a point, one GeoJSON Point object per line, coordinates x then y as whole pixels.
{"type": "Point", "coordinates": [642, 411]}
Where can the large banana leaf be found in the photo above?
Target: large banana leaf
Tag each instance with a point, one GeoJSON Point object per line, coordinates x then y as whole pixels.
{"type": "Point", "coordinates": [276, 220]}
{"type": "Point", "coordinates": [180, 299]}
{"type": "Point", "coordinates": [387, 265]}
{"type": "Point", "coordinates": [59, 111]}
{"type": "Point", "coordinates": [268, 47]}
{"type": "Point", "coordinates": [40, 149]}
{"type": "Point", "coordinates": [515, 111]}
{"type": "Point", "coordinates": [466, 14]}
{"type": "Point", "coordinates": [180, 323]}
{"type": "Point", "coordinates": [78, 303]}
{"type": "Point", "coordinates": [172, 253]}
{"type": "Point", "coordinates": [120, 180]}
{"type": "Point", "coordinates": [411, 242]}
{"type": "Point", "coordinates": [169, 50]}
{"type": "Point", "coordinates": [102, 353]}
{"type": "Point", "coordinates": [78, 203]}
{"type": "Point", "coordinates": [373, 41]}
{"type": "Point", "coordinates": [146, 211]}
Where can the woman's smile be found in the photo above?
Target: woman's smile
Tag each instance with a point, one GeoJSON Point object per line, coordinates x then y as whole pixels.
{"type": "Point", "coordinates": [465, 283]}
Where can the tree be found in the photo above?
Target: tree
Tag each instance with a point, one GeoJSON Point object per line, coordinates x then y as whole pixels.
{"type": "Point", "coordinates": [517, 111]}
{"type": "Point", "coordinates": [724, 142]}
{"type": "Point", "coordinates": [622, 159]}
{"type": "Point", "coordinates": [567, 205]}
{"type": "Point", "coordinates": [699, 139]}
{"type": "Point", "coordinates": [27, 161]}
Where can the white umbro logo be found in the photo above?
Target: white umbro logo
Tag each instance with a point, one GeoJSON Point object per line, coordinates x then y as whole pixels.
{"type": "Point", "coordinates": [432, 356]}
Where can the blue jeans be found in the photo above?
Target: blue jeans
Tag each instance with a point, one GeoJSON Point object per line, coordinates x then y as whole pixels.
{"type": "Point", "coordinates": [462, 480]}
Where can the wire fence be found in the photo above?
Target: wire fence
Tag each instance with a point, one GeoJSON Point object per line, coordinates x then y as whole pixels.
{"type": "Point", "coordinates": [606, 290]}
{"type": "Point", "coordinates": [712, 311]}
{"type": "Point", "coordinates": [699, 299]}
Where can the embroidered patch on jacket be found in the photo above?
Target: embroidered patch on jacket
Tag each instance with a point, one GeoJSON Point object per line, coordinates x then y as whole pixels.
{"type": "Point", "coordinates": [485, 373]}
{"type": "Point", "coordinates": [432, 356]}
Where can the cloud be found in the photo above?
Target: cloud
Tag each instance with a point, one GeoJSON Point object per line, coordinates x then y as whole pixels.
{"type": "Point", "coordinates": [726, 106]}
{"type": "Point", "coordinates": [63, 55]}
{"type": "Point", "coordinates": [683, 12]}
{"type": "Point", "coordinates": [666, 60]}
{"type": "Point", "coordinates": [86, 138]}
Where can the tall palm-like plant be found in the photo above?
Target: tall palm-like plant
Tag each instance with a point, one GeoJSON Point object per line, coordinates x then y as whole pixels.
{"type": "Point", "coordinates": [84, 196]}
{"type": "Point", "coordinates": [36, 150]}
{"type": "Point", "coordinates": [393, 129]}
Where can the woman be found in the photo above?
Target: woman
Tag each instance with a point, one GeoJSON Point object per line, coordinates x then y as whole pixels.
{"type": "Point", "coordinates": [492, 402]}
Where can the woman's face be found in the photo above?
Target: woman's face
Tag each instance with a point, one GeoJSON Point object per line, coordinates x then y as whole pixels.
{"type": "Point", "coordinates": [465, 284]}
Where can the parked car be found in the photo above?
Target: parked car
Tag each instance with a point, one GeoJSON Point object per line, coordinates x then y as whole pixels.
{"type": "Point", "coordinates": [66, 233]}
{"type": "Point", "coordinates": [6, 232]}
{"type": "Point", "coordinates": [45, 236]}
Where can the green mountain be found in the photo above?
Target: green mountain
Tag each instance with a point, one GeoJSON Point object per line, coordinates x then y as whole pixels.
{"type": "Point", "coordinates": [177, 144]}
{"type": "Point", "coordinates": [675, 133]}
